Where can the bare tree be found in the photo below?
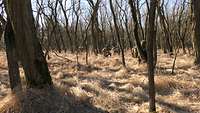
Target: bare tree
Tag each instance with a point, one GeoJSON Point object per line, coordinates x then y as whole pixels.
{"type": "Point", "coordinates": [94, 24]}
{"type": "Point", "coordinates": [136, 30]}
{"type": "Point", "coordinates": [117, 32]}
{"type": "Point", "coordinates": [126, 24]}
{"type": "Point", "coordinates": [76, 10]}
{"type": "Point", "coordinates": [150, 50]}
{"type": "Point", "coordinates": [66, 25]}
{"type": "Point", "coordinates": [12, 58]}
{"type": "Point", "coordinates": [30, 52]}
{"type": "Point", "coordinates": [167, 45]}
{"type": "Point", "coordinates": [196, 9]}
{"type": "Point", "coordinates": [11, 52]}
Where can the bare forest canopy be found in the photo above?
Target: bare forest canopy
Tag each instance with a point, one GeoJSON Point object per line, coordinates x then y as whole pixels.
{"type": "Point", "coordinates": [70, 24]}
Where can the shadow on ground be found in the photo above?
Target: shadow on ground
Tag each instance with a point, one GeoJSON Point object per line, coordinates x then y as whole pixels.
{"type": "Point", "coordinates": [48, 100]}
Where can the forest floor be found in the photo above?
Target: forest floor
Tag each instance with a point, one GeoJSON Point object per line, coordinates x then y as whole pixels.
{"type": "Point", "coordinates": [106, 85]}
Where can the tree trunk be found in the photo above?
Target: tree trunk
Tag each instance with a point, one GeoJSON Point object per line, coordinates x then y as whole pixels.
{"type": "Point", "coordinates": [150, 59]}
{"type": "Point", "coordinates": [13, 67]}
{"type": "Point", "coordinates": [196, 6]}
{"type": "Point", "coordinates": [140, 20]}
{"type": "Point", "coordinates": [66, 26]}
{"type": "Point", "coordinates": [94, 25]}
{"type": "Point", "coordinates": [136, 31]}
{"type": "Point", "coordinates": [117, 32]}
{"type": "Point", "coordinates": [167, 45]}
{"type": "Point", "coordinates": [27, 44]}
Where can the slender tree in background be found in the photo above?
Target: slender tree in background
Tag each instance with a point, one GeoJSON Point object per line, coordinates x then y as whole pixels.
{"type": "Point", "coordinates": [196, 10]}
{"type": "Point", "coordinates": [76, 10]}
{"type": "Point", "coordinates": [150, 56]}
{"type": "Point", "coordinates": [136, 30]}
{"type": "Point", "coordinates": [95, 25]}
{"type": "Point", "coordinates": [27, 44]}
{"type": "Point", "coordinates": [66, 25]}
{"type": "Point", "coordinates": [167, 46]}
{"type": "Point", "coordinates": [117, 32]}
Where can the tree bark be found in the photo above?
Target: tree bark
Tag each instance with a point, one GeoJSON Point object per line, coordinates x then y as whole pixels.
{"type": "Point", "coordinates": [27, 44]}
{"type": "Point", "coordinates": [167, 45]}
{"type": "Point", "coordinates": [13, 67]}
{"type": "Point", "coordinates": [196, 9]}
{"type": "Point", "coordinates": [136, 31]}
{"type": "Point", "coordinates": [66, 26]}
{"type": "Point", "coordinates": [117, 32]}
{"type": "Point", "coordinates": [94, 25]}
{"type": "Point", "coordinates": [150, 59]}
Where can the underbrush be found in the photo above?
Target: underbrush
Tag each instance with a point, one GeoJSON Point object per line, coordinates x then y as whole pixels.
{"type": "Point", "coordinates": [104, 85]}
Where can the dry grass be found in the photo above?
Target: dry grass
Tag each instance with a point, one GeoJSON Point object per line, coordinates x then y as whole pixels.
{"type": "Point", "coordinates": [35, 101]}
{"type": "Point", "coordinates": [105, 85]}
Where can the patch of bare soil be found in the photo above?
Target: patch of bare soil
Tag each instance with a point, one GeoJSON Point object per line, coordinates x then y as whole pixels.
{"type": "Point", "coordinates": [105, 86]}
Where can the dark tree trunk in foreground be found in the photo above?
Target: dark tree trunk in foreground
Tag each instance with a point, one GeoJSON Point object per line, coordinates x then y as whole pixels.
{"type": "Point", "coordinates": [196, 9]}
{"type": "Point", "coordinates": [150, 59]}
{"type": "Point", "coordinates": [27, 44]}
{"type": "Point", "coordinates": [13, 67]}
